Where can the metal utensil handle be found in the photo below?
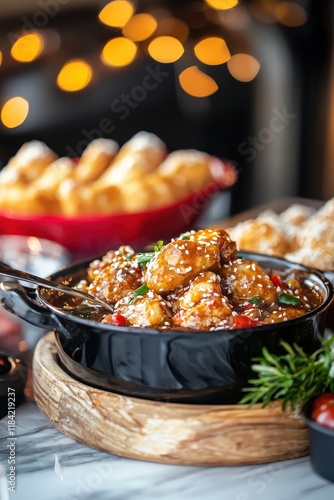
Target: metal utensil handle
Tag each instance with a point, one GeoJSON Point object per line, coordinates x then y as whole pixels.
{"type": "Point", "coordinates": [11, 272]}
{"type": "Point", "coordinates": [21, 301]}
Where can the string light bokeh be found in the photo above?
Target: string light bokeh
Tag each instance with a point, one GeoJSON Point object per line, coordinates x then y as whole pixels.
{"type": "Point", "coordinates": [197, 40]}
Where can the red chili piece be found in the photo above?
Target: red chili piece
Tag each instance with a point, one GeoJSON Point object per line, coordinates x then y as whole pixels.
{"type": "Point", "coordinates": [248, 306]}
{"type": "Point", "coordinates": [276, 279]}
{"type": "Point", "coordinates": [117, 320]}
{"type": "Point", "coordinates": [241, 321]}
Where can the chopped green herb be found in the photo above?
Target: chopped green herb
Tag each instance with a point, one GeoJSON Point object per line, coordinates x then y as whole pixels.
{"type": "Point", "coordinates": [255, 301]}
{"type": "Point", "coordinates": [158, 246]}
{"type": "Point", "coordinates": [144, 258]}
{"type": "Point", "coordinates": [185, 237]}
{"type": "Point", "coordinates": [142, 290]}
{"type": "Point", "coordinates": [289, 300]}
{"type": "Point", "coordinates": [127, 256]}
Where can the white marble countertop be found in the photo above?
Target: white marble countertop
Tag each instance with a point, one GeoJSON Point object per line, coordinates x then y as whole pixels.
{"type": "Point", "coordinates": [51, 466]}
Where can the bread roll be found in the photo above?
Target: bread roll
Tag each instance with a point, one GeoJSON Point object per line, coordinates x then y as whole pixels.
{"type": "Point", "coordinates": [95, 160]}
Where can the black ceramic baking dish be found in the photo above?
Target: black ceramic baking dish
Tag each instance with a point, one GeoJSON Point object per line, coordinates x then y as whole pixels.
{"type": "Point", "coordinates": [160, 364]}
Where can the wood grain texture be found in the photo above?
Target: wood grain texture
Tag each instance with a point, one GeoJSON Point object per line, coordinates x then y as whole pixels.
{"type": "Point", "coordinates": [163, 432]}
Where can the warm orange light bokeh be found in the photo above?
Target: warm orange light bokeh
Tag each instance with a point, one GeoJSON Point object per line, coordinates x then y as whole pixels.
{"type": "Point", "coordinates": [165, 49]}
{"type": "Point", "coordinates": [196, 83]}
{"type": "Point", "coordinates": [222, 4]}
{"type": "Point", "coordinates": [117, 13]}
{"type": "Point", "coordinates": [0, 57]}
{"type": "Point", "coordinates": [290, 14]}
{"type": "Point", "coordinates": [212, 51]}
{"type": "Point", "coordinates": [27, 48]}
{"type": "Point", "coordinates": [119, 51]}
{"type": "Point", "coordinates": [14, 112]}
{"type": "Point", "coordinates": [74, 75]}
{"type": "Point", "coordinates": [243, 67]}
{"type": "Point", "coordinates": [140, 27]}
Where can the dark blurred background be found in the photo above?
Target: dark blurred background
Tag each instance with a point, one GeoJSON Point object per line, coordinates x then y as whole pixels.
{"type": "Point", "coordinates": [264, 100]}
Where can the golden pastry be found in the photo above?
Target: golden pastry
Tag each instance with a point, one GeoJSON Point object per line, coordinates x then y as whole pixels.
{"type": "Point", "coordinates": [151, 191]}
{"type": "Point", "coordinates": [147, 145]}
{"type": "Point", "coordinates": [104, 179]}
{"type": "Point", "coordinates": [127, 169]}
{"type": "Point", "coordinates": [300, 234]}
{"type": "Point", "coordinates": [259, 236]}
{"type": "Point", "coordinates": [296, 214]}
{"type": "Point", "coordinates": [137, 158]}
{"type": "Point", "coordinates": [312, 258]}
{"type": "Point", "coordinates": [89, 199]}
{"type": "Point", "coordinates": [95, 159]}
{"type": "Point", "coordinates": [327, 210]}
{"type": "Point", "coordinates": [28, 163]}
{"type": "Point", "coordinates": [187, 167]}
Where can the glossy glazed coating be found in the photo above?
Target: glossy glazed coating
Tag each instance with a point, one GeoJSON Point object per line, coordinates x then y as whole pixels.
{"type": "Point", "coordinates": [195, 282]}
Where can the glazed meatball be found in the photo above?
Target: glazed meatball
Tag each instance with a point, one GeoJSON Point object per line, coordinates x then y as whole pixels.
{"type": "Point", "coordinates": [202, 306]}
{"type": "Point", "coordinates": [115, 279]}
{"type": "Point", "coordinates": [111, 258]}
{"type": "Point", "coordinates": [145, 310]}
{"type": "Point", "coordinates": [204, 285]}
{"type": "Point", "coordinates": [227, 247]}
{"type": "Point", "coordinates": [283, 314]}
{"type": "Point", "coordinates": [179, 262]}
{"type": "Point", "coordinates": [245, 279]}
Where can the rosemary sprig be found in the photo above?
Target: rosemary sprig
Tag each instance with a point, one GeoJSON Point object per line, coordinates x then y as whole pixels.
{"type": "Point", "coordinates": [295, 376]}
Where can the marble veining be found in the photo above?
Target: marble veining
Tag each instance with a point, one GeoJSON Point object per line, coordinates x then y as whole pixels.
{"type": "Point", "coordinates": [51, 466]}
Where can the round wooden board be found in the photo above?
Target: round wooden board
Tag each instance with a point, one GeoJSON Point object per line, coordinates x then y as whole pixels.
{"type": "Point", "coordinates": [163, 432]}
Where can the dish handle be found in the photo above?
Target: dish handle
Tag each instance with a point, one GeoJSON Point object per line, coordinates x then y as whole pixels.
{"type": "Point", "coordinates": [23, 303]}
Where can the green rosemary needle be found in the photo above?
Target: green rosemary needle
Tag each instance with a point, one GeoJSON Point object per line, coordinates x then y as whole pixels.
{"type": "Point", "coordinates": [295, 377]}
